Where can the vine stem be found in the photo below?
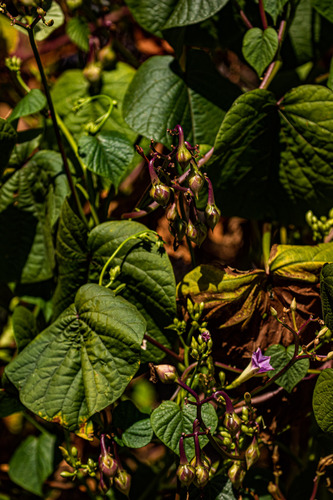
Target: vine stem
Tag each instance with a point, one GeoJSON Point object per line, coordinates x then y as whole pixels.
{"type": "Point", "coordinates": [274, 67]}
{"type": "Point", "coordinates": [163, 348]}
{"type": "Point", "coordinates": [54, 118]}
{"type": "Point", "coordinates": [263, 14]}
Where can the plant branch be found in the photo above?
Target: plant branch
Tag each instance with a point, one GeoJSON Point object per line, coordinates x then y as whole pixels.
{"type": "Point", "coordinates": [163, 348]}
{"type": "Point", "coordinates": [263, 14]}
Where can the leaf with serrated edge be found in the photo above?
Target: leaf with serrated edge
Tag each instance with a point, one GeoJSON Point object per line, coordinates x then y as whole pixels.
{"type": "Point", "coordinates": [279, 358]}
{"type": "Point", "coordinates": [169, 421]}
{"type": "Point", "coordinates": [322, 401]}
{"type": "Point", "coordinates": [84, 361]}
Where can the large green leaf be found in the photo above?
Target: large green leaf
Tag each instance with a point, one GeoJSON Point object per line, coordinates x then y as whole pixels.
{"type": "Point", "coordinates": [326, 293]}
{"type": "Point", "coordinates": [155, 16]}
{"type": "Point", "coordinates": [160, 97]}
{"type": "Point", "coordinates": [30, 202]}
{"type": "Point", "coordinates": [8, 138]}
{"type": "Point", "coordinates": [55, 13]}
{"type": "Point", "coordinates": [134, 426]}
{"type": "Point", "coordinates": [24, 326]}
{"type": "Point", "coordinates": [31, 103]}
{"type": "Point", "coordinates": [145, 270]}
{"type": "Point", "coordinates": [324, 7]}
{"type": "Point", "coordinates": [169, 421]}
{"type": "Point", "coordinates": [72, 85]}
{"type": "Point", "coordinates": [279, 358]}
{"type": "Point", "coordinates": [322, 400]}
{"type": "Point", "coordinates": [32, 462]}
{"type": "Point", "coordinates": [274, 160]}
{"type": "Point", "coordinates": [84, 361]}
{"type": "Point", "coordinates": [108, 154]}
{"type": "Point", "coordinates": [259, 47]}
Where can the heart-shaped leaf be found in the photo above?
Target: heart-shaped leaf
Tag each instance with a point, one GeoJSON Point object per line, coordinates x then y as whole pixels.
{"type": "Point", "coordinates": [279, 358]}
{"type": "Point", "coordinates": [78, 31]}
{"type": "Point", "coordinates": [259, 47]}
{"type": "Point", "coordinates": [169, 421]}
{"type": "Point", "coordinates": [84, 361]}
{"type": "Point", "coordinates": [322, 400]}
{"type": "Point", "coordinates": [159, 97]}
{"type": "Point", "coordinates": [135, 427]}
{"type": "Point", "coordinates": [108, 154]}
{"type": "Point", "coordinates": [32, 462]}
{"type": "Point", "coordinates": [31, 103]}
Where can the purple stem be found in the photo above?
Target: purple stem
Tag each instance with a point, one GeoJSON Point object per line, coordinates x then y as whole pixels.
{"type": "Point", "coordinates": [141, 213]}
{"type": "Point", "coordinates": [211, 199]}
{"type": "Point", "coordinates": [179, 129]}
{"type": "Point", "coordinates": [103, 447]}
{"type": "Point", "coordinates": [163, 348]}
{"type": "Point", "coordinates": [153, 175]}
{"type": "Point", "coordinates": [182, 454]}
{"type": "Point", "coordinates": [197, 449]}
{"type": "Point", "coordinates": [206, 157]}
{"type": "Point", "coordinates": [188, 389]}
{"type": "Point", "coordinates": [263, 14]}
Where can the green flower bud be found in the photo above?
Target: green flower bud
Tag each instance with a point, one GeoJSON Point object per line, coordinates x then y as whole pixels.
{"type": "Point", "coordinates": [195, 182]}
{"type": "Point", "coordinates": [122, 482]}
{"type": "Point", "coordinates": [92, 72]}
{"type": "Point", "coordinates": [236, 474]}
{"type": "Point", "coordinates": [183, 156]}
{"type": "Point", "coordinates": [186, 474]}
{"type": "Point", "coordinates": [201, 476]}
{"type": "Point", "coordinates": [172, 212]}
{"type": "Point", "coordinates": [212, 214]}
{"type": "Point", "coordinates": [161, 194]}
{"type": "Point", "coordinates": [252, 453]}
{"type": "Point", "coordinates": [232, 422]}
{"type": "Point", "coordinates": [67, 474]}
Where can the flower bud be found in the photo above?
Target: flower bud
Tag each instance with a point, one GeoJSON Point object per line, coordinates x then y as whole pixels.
{"type": "Point", "coordinates": [107, 464]}
{"type": "Point", "coordinates": [232, 422]}
{"type": "Point", "coordinates": [92, 72]}
{"type": "Point", "coordinates": [172, 212]}
{"type": "Point", "coordinates": [236, 475]}
{"type": "Point", "coordinates": [166, 373]}
{"type": "Point", "coordinates": [252, 453]}
{"type": "Point", "coordinates": [186, 474]}
{"type": "Point", "coordinates": [212, 214]}
{"type": "Point", "coordinates": [122, 482]}
{"type": "Point", "coordinates": [195, 182]}
{"type": "Point", "coordinates": [67, 474]}
{"type": "Point", "coordinates": [161, 194]}
{"type": "Point", "coordinates": [201, 476]}
{"type": "Point", "coordinates": [183, 156]}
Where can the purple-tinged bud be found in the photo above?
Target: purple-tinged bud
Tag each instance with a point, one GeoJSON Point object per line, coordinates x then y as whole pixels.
{"type": "Point", "coordinates": [205, 335]}
{"type": "Point", "coordinates": [105, 486]}
{"type": "Point", "coordinates": [236, 475]}
{"type": "Point", "coordinates": [191, 231]}
{"type": "Point", "coordinates": [186, 474]}
{"type": "Point", "coordinates": [93, 72]}
{"type": "Point", "coordinates": [172, 212]}
{"type": "Point", "coordinates": [201, 476]}
{"type": "Point", "coordinates": [178, 228]}
{"type": "Point", "coordinates": [166, 373]}
{"type": "Point", "coordinates": [232, 422]}
{"type": "Point", "coordinates": [183, 156]}
{"type": "Point", "coordinates": [195, 182]}
{"type": "Point", "coordinates": [212, 214]}
{"type": "Point", "coordinates": [161, 194]}
{"type": "Point", "coordinates": [122, 482]}
{"type": "Point", "coordinates": [252, 453]}
{"type": "Point", "coordinates": [106, 463]}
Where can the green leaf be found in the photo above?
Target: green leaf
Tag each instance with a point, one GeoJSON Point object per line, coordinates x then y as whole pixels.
{"type": "Point", "coordinates": [9, 404]}
{"type": "Point", "coordinates": [159, 97]}
{"type": "Point", "coordinates": [108, 154]}
{"type": "Point", "coordinates": [322, 400]}
{"type": "Point", "coordinates": [330, 76]}
{"type": "Point", "coordinates": [30, 202]}
{"type": "Point", "coordinates": [155, 16]}
{"type": "Point", "coordinates": [24, 326]}
{"type": "Point", "coordinates": [31, 103]}
{"type": "Point", "coordinates": [275, 161]}
{"type": "Point", "coordinates": [8, 138]}
{"type": "Point", "coordinates": [218, 488]}
{"type": "Point", "coordinates": [300, 262]}
{"type": "Point", "coordinates": [78, 31]}
{"type": "Point", "coordinates": [326, 294]}
{"type": "Point", "coordinates": [259, 47]}
{"type": "Point", "coordinates": [24, 150]}
{"type": "Point", "coordinates": [324, 7]}
{"type": "Point", "coordinates": [169, 421]}
{"type": "Point", "coordinates": [274, 8]}
{"type": "Point", "coordinates": [32, 462]}
{"type": "Point", "coordinates": [280, 356]}
{"type": "Point", "coordinates": [54, 12]}
{"type": "Point", "coordinates": [304, 35]}
{"type": "Point", "coordinates": [135, 427]}
{"type": "Point", "coordinates": [84, 361]}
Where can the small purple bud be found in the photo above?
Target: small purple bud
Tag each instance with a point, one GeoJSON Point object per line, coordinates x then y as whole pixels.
{"type": "Point", "coordinates": [186, 474]}
{"type": "Point", "coordinates": [161, 194]}
{"type": "Point", "coordinates": [183, 156]}
{"type": "Point", "coordinates": [166, 373]}
{"type": "Point", "coordinates": [205, 335]}
{"type": "Point", "coordinates": [107, 464]}
{"type": "Point", "coordinates": [195, 182]}
{"type": "Point", "coordinates": [212, 214]}
{"type": "Point", "coordinates": [201, 476]}
{"type": "Point", "coordinates": [172, 212]}
{"type": "Point", "coordinates": [191, 231]}
{"type": "Point", "coordinates": [196, 232]}
{"type": "Point", "coordinates": [232, 422]}
{"type": "Point", "coordinates": [122, 482]}
{"type": "Point", "coordinates": [252, 453]}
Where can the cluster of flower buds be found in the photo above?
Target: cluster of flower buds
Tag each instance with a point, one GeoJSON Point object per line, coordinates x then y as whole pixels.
{"type": "Point", "coordinates": [177, 181]}
{"type": "Point", "coordinates": [111, 471]}
{"type": "Point", "coordinates": [200, 469]}
{"type": "Point", "coordinates": [320, 227]}
{"type": "Point", "coordinates": [201, 347]}
{"type": "Point", "coordinates": [78, 467]}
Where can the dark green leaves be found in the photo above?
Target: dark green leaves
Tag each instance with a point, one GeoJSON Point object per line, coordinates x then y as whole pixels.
{"type": "Point", "coordinates": [78, 31]}
{"type": "Point", "coordinates": [159, 98]}
{"type": "Point", "coordinates": [275, 160]}
{"type": "Point", "coordinates": [324, 7]}
{"type": "Point", "coordinates": [274, 8]}
{"type": "Point", "coordinates": [107, 154]}
{"type": "Point", "coordinates": [156, 16]}
{"type": "Point", "coordinates": [322, 400]}
{"type": "Point", "coordinates": [8, 138]}
{"type": "Point", "coordinates": [134, 426]}
{"type": "Point", "coordinates": [326, 293]}
{"type": "Point", "coordinates": [169, 421]}
{"type": "Point", "coordinates": [24, 326]}
{"type": "Point", "coordinates": [279, 358]}
{"type": "Point", "coordinates": [31, 103]}
{"type": "Point", "coordinates": [259, 47]}
{"type": "Point", "coordinates": [32, 462]}
{"type": "Point", "coordinates": [84, 361]}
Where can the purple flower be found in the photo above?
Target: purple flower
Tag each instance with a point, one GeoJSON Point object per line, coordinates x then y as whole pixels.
{"type": "Point", "coordinates": [260, 363]}
{"type": "Point", "coordinates": [205, 335]}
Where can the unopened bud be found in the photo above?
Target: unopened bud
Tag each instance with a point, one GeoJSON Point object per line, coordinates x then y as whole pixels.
{"type": "Point", "coordinates": [183, 156]}
{"type": "Point", "coordinates": [186, 474]}
{"type": "Point", "coordinates": [212, 214]}
{"type": "Point", "coordinates": [74, 451]}
{"type": "Point", "coordinates": [201, 476]}
{"type": "Point", "coordinates": [67, 474]}
{"type": "Point", "coordinates": [252, 453]}
{"type": "Point", "coordinates": [92, 72]}
{"type": "Point", "coordinates": [274, 312]}
{"type": "Point", "coordinates": [161, 194]}
{"type": "Point", "coordinates": [172, 212]}
{"type": "Point", "coordinates": [232, 422]}
{"type": "Point", "coordinates": [122, 482]}
{"type": "Point", "coordinates": [107, 465]}
{"type": "Point", "coordinates": [236, 474]}
{"type": "Point", "coordinates": [166, 373]}
{"type": "Point", "coordinates": [195, 182]}
{"type": "Point", "coordinates": [293, 305]}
